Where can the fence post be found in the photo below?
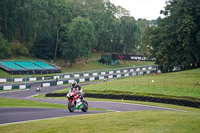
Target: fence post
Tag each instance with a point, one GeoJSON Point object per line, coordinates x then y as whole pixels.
{"type": "Point", "coordinates": [197, 84]}
{"type": "Point", "coordinates": [164, 82]}
{"type": "Point", "coordinates": [105, 80]}
{"type": "Point", "coordinates": [120, 81]}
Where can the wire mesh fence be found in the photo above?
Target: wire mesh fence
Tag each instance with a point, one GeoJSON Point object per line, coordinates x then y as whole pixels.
{"type": "Point", "coordinates": [160, 82]}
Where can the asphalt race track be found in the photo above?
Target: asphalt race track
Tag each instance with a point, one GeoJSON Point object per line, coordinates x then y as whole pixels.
{"type": "Point", "coordinates": [10, 115]}
{"type": "Point", "coordinates": [15, 115]}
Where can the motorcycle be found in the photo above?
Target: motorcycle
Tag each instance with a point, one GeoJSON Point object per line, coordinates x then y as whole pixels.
{"type": "Point", "coordinates": [76, 101]}
{"type": "Point", "coordinates": [38, 88]}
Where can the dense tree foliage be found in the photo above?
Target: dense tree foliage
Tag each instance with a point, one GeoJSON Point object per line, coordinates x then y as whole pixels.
{"type": "Point", "coordinates": [44, 47]}
{"type": "Point", "coordinates": [175, 41]}
{"type": "Point", "coordinates": [44, 27]}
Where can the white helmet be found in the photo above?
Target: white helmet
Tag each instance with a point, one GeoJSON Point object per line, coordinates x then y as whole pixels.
{"type": "Point", "coordinates": [74, 83]}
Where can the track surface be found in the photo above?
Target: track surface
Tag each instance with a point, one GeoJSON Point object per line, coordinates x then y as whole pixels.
{"type": "Point", "coordinates": [13, 115]}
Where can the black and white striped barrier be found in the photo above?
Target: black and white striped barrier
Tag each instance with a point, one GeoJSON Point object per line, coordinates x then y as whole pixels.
{"type": "Point", "coordinates": [13, 87]}
{"type": "Point", "coordinates": [94, 77]}
{"type": "Point", "coordinates": [80, 74]}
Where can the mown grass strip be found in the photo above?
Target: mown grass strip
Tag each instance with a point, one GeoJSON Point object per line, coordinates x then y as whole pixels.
{"type": "Point", "coordinates": [6, 102]}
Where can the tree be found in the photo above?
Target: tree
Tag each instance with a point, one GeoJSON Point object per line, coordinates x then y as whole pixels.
{"type": "Point", "coordinates": [79, 40]}
{"type": "Point", "coordinates": [144, 26]}
{"type": "Point", "coordinates": [5, 48]}
{"type": "Point", "coordinates": [68, 50]}
{"type": "Point", "coordinates": [43, 46]}
{"type": "Point", "coordinates": [129, 34]}
{"type": "Point", "coordinates": [59, 14]}
{"type": "Point", "coordinates": [175, 40]}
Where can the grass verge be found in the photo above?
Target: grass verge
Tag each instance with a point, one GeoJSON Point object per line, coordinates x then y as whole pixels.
{"type": "Point", "coordinates": [12, 90]}
{"type": "Point", "coordinates": [5, 102]}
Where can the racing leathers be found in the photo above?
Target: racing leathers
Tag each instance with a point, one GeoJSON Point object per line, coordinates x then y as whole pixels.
{"type": "Point", "coordinates": [79, 91]}
{"type": "Point", "coordinates": [76, 88]}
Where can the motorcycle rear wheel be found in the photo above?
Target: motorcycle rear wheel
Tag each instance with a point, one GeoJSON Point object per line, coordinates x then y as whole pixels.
{"type": "Point", "coordinates": [71, 107]}
{"type": "Point", "coordinates": [85, 106]}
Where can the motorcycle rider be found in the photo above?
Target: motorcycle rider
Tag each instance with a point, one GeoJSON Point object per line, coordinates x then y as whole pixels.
{"type": "Point", "coordinates": [38, 88]}
{"type": "Point", "coordinates": [77, 88]}
{"type": "Point", "coordinates": [76, 99]}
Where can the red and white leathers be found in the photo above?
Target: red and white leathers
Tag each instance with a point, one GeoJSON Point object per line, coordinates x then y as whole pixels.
{"type": "Point", "coordinates": [76, 89]}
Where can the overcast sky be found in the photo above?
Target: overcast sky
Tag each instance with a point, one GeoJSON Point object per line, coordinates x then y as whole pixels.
{"type": "Point", "coordinates": [149, 9]}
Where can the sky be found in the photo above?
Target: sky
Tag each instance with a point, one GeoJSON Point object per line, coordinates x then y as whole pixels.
{"type": "Point", "coordinates": [149, 9]}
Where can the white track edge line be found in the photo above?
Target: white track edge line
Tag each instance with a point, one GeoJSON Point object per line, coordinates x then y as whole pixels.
{"type": "Point", "coordinates": [144, 105]}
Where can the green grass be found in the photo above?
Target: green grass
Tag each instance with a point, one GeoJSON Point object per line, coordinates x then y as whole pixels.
{"type": "Point", "coordinates": [12, 90]}
{"type": "Point", "coordinates": [5, 102]}
{"type": "Point", "coordinates": [178, 85]}
{"type": "Point", "coordinates": [44, 96]}
{"type": "Point", "coordinates": [126, 122]}
{"type": "Point", "coordinates": [4, 74]}
{"type": "Point", "coordinates": [95, 65]}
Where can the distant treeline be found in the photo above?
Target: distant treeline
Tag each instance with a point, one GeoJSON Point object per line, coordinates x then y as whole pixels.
{"type": "Point", "coordinates": [70, 29]}
{"type": "Point", "coordinates": [66, 28]}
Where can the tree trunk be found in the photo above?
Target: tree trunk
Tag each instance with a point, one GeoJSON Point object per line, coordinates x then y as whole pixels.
{"type": "Point", "coordinates": [57, 43]}
{"type": "Point", "coordinates": [198, 64]}
{"type": "Point", "coordinates": [23, 34]}
{"type": "Point", "coordinates": [99, 46]}
{"type": "Point", "coordinates": [65, 63]}
{"type": "Point", "coordinates": [87, 61]}
{"type": "Point", "coordinates": [35, 35]}
{"type": "Point", "coordinates": [124, 49]}
{"type": "Point", "coordinates": [70, 64]}
{"type": "Point", "coordinates": [6, 26]}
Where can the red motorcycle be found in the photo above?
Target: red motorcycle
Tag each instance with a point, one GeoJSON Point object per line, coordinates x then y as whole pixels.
{"type": "Point", "coordinates": [76, 101]}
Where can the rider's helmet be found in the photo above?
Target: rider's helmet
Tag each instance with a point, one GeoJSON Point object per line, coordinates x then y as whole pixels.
{"type": "Point", "coordinates": [74, 83]}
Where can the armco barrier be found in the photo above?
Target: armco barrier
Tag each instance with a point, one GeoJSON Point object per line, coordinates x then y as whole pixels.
{"type": "Point", "coordinates": [96, 77]}
{"type": "Point", "coordinates": [136, 98]}
{"type": "Point", "coordinates": [12, 87]}
{"type": "Point", "coordinates": [85, 74]}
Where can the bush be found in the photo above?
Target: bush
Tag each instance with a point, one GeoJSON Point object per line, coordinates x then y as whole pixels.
{"type": "Point", "coordinates": [19, 50]}
{"type": "Point", "coordinates": [105, 61]}
{"type": "Point", "coordinates": [102, 60]}
{"type": "Point", "coordinates": [5, 47]}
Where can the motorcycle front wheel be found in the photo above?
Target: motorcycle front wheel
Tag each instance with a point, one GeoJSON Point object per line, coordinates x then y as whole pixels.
{"type": "Point", "coordinates": [85, 106]}
{"type": "Point", "coordinates": [70, 106]}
